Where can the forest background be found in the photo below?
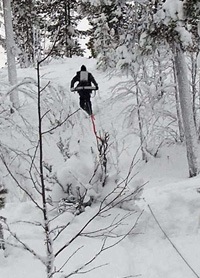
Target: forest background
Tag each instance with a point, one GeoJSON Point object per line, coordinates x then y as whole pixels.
{"type": "Point", "coordinates": [74, 217]}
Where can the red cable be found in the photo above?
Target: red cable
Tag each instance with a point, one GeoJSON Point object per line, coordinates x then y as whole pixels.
{"type": "Point", "coordinates": [94, 127]}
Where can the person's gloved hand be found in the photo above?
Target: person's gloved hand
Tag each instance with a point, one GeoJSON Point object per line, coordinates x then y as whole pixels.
{"type": "Point", "coordinates": [72, 89]}
{"type": "Point", "coordinates": [97, 87]}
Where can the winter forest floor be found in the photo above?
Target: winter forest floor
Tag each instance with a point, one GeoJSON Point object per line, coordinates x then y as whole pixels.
{"type": "Point", "coordinates": [168, 195]}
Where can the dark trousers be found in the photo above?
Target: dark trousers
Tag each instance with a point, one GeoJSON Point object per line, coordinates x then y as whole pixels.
{"type": "Point", "coordinates": [85, 102]}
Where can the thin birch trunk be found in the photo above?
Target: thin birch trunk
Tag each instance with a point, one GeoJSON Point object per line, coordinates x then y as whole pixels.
{"type": "Point", "coordinates": [193, 85]}
{"type": "Point", "coordinates": [142, 140]}
{"type": "Point", "coordinates": [187, 112]}
{"type": "Point", "coordinates": [10, 48]}
{"type": "Point", "coordinates": [178, 109]}
{"type": "Point", "coordinates": [48, 239]}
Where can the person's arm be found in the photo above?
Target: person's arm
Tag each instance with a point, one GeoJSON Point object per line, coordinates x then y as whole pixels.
{"type": "Point", "coordinates": [94, 81]}
{"type": "Point", "coordinates": [74, 80]}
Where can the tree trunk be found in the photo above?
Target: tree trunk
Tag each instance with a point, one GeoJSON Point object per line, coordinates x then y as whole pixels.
{"type": "Point", "coordinates": [193, 85]}
{"type": "Point", "coordinates": [187, 112]}
{"type": "Point", "coordinates": [178, 109]}
{"type": "Point", "coordinates": [48, 240]}
{"type": "Point", "coordinates": [142, 137]}
{"type": "Point", "coordinates": [68, 49]}
{"type": "Point", "coordinates": [10, 49]}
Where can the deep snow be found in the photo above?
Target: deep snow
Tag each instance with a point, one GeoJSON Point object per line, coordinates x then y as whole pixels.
{"type": "Point", "coordinates": [171, 195]}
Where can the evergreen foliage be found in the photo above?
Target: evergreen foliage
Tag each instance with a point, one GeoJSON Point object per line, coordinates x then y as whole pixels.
{"type": "Point", "coordinates": [176, 27]}
{"type": "Point", "coordinates": [63, 28]}
{"type": "Point", "coordinates": [38, 22]}
{"type": "Point", "coordinates": [28, 24]}
{"type": "Point", "coordinates": [3, 193]}
{"type": "Point", "coordinates": [191, 12]}
{"type": "Point", "coordinates": [89, 11]}
{"type": "Point", "coordinates": [106, 19]}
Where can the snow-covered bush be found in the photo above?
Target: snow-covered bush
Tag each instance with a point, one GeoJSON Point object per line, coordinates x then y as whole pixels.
{"type": "Point", "coordinates": [72, 187]}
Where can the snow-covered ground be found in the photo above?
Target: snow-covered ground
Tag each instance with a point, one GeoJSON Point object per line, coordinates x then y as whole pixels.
{"type": "Point", "coordinates": [169, 197]}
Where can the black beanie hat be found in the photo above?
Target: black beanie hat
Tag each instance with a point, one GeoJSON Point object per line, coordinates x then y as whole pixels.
{"type": "Point", "coordinates": [83, 68]}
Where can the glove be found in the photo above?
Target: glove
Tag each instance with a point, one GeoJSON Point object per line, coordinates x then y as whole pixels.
{"type": "Point", "coordinates": [72, 89]}
{"type": "Point", "coordinates": [97, 87]}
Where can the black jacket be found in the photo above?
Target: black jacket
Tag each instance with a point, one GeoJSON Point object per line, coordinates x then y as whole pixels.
{"type": "Point", "coordinates": [89, 82]}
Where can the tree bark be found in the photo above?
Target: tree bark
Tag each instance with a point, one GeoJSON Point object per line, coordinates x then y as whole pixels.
{"type": "Point", "coordinates": [178, 109]}
{"type": "Point", "coordinates": [142, 137]}
{"type": "Point", "coordinates": [10, 48]}
{"type": "Point", "coordinates": [187, 112]}
{"type": "Point", "coordinates": [48, 240]}
{"type": "Point", "coordinates": [193, 85]}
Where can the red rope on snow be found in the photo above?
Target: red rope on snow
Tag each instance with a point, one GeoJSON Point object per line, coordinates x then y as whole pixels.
{"type": "Point", "coordinates": [94, 127]}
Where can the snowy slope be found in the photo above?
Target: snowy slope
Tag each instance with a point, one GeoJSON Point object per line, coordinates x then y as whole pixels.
{"type": "Point", "coordinates": [169, 196]}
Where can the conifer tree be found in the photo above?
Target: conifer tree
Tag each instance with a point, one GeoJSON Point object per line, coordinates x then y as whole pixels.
{"type": "Point", "coordinates": [63, 24]}
{"type": "Point", "coordinates": [28, 24]}
{"type": "Point", "coordinates": [90, 11]}
{"type": "Point", "coordinates": [106, 20]}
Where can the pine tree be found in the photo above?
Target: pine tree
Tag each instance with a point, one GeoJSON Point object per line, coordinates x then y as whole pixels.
{"type": "Point", "coordinates": [63, 27]}
{"type": "Point", "coordinates": [28, 24]}
{"type": "Point", "coordinates": [90, 11]}
{"type": "Point", "coordinates": [106, 18]}
{"type": "Point", "coordinates": [116, 32]}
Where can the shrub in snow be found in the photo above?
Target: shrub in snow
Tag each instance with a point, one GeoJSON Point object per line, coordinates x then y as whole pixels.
{"type": "Point", "coordinates": [3, 192]}
{"type": "Point", "coordinates": [72, 191]}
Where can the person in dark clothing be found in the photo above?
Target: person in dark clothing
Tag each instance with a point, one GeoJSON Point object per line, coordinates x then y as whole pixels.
{"type": "Point", "coordinates": [84, 79]}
